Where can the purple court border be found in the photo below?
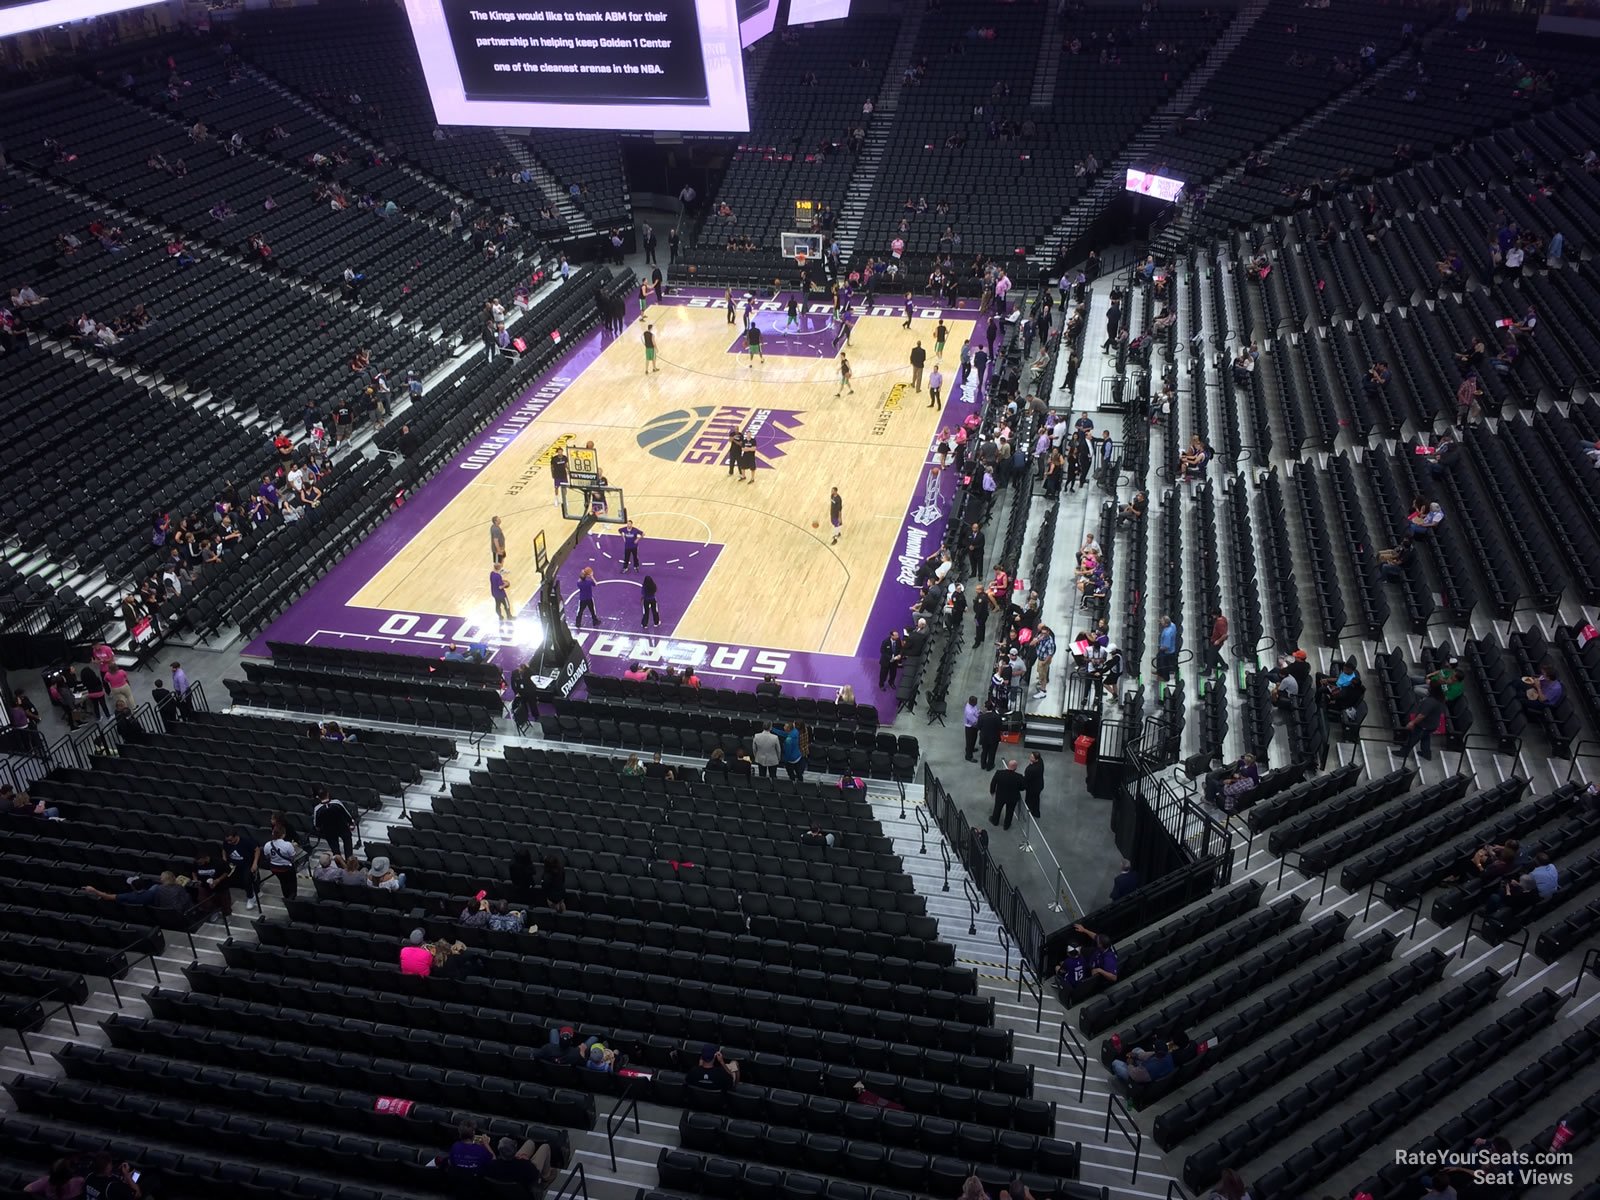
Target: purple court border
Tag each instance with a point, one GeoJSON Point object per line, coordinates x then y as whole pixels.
{"type": "Point", "coordinates": [325, 615]}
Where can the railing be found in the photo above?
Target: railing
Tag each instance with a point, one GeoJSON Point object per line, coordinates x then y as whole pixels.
{"type": "Point", "coordinates": [974, 901]}
{"type": "Point", "coordinates": [1498, 745]}
{"type": "Point", "coordinates": [1069, 1044]}
{"type": "Point", "coordinates": [944, 852]}
{"type": "Point", "coordinates": [1028, 978]}
{"type": "Point", "coordinates": [627, 1106]}
{"type": "Point", "coordinates": [576, 1184]}
{"type": "Point", "coordinates": [1117, 1114]}
{"type": "Point", "coordinates": [986, 879]}
{"type": "Point", "coordinates": [1518, 937]}
{"type": "Point", "coordinates": [62, 1004]}
{"type": "Point", "coordinates": [1578, 752]}
{"type": "Point", "coordinates": [1591, 966]}
{"type": "Point", "coordinates": [922, 827]}
{"type": "Point", "coordinates": [1193, 827]}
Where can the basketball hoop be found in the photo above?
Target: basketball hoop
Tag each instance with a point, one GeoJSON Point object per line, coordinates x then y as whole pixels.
{"type": "Point", "coordinates": [800, 256]}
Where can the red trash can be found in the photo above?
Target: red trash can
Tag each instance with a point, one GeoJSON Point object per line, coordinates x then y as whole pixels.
{"type": "Point", "coordinates": [1081, 745]}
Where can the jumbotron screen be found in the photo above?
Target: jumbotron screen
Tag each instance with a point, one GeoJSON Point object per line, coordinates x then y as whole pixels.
{"type": "Point", "coordinates": [21, 17]}
{"type": "Point", "coordinates": [583, 64]}
{"type": "Point", "coordinates": [809, 12]}
{"type": "Point", "coordinates": [1159, 186]}
{"type": "Point", "coordinates": [757, 18]}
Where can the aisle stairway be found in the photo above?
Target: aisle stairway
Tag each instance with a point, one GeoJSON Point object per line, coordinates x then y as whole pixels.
{"type": "Point", "coordinates": [859, 194]}
{"type": "Point", "coordinates": [1113, 174]}
{"type": "Point", "coordinates": [576, 220]}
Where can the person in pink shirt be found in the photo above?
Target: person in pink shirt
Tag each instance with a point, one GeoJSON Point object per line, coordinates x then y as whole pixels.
{"type": "Point", "coordinates": [117, 685]}
{"type": "Point", "coordinates": [416, 958]}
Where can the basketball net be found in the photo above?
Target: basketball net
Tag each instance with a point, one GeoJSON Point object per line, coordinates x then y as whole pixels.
{"type": "Point", "coordinates": [800, 256]}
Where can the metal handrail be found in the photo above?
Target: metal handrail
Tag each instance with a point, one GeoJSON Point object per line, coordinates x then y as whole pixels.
{"type": "Point", "coordinates": [1578, 752]}
{"type": "Point", "coordinates": [973, 899]}
{"type": "Point", "coordinates": [1117, 1114]}
{"type": "Point", "coordinates": [1068, 1042]}
{"type": "Point", "coordinates": [1590, 965]}
{"type": "Point", "coordinates": [575, 1185]}
{"type": "Point", "coordinates": [1518, 937]}
{"type": "Point", "coordinates": [1028, 977]}
{"type": "Point", "coordinates": [1488, 741]}
{"type": "Point", "coordinates": [944, 851]}
{"type": "Point", "coordinates": [627, 1106]}
{"type": "Point", "coordinates": [922, 825]}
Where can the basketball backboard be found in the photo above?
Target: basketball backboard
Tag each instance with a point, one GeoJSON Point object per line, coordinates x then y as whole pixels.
{"type": "Point", "coordinates": [602, 502]}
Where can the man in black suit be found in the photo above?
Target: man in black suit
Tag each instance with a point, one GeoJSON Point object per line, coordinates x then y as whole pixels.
{"type": "Point", "coordinates": [975, 548]}
{"type": "Point", "coordinates": [890, 655]}
{"type": "Point", "coordinates": [769, 686]}
{"type": "Point", "coordinates": [988, 735]}
{"type": "Point", "coordinates": [1005, 785]}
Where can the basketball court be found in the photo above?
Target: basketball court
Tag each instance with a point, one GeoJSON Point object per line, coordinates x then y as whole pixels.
{"type": "Point", "coordinates": [749, 579]}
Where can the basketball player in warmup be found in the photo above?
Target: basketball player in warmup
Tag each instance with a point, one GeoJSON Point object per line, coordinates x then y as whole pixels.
{"type": "Point", "coordinates": [842, 332]}
{"type": "Point", "coordinates": [836, 514]}
{"type": "Point", "coordinates": [650, 614]}
{"type": "Point", "coordinates": [735, 456]}
{"type": "Point", "coordinates": [558, 471]}
{"type": "Point", "coordinates": [586, 596]}
{"type": "Point", "coordinates": [631, 534]}
{"type": "Point", "coordinates": [844, 376]}
{"type": "Point", "coordinates": [910, 309]}
{"type": "Point", "coordinates": [749, 310]}
{"type": "Point", "coordinates": [650, 350]}
{"type": "Point", "coordinates": [497, 542]}
{"type": "Point", "coordinates": [502, 598]}
{"type": "Point", "coordinates": [794, 314]}
{"type": "Point", "coordinates": [727, 299]}
{"type": "Point", "coordinates": [747, 459]}
{"type": "Point", "coordinates": [939, 336]}
{"type": "Point", "coordinates": [752, 344]}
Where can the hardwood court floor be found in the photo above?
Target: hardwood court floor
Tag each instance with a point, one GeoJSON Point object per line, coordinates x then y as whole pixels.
{"type": "Point", "coordinates": [776, 581]}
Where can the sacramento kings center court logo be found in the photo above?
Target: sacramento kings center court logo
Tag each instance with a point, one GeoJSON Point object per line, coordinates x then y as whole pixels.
{"type": "Point", "coordinates": [699, 436]}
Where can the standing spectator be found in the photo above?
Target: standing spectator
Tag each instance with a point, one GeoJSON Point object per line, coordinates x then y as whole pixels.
{"type": "Point", "coordinates": [1125, 882]}
{"type": "Point", "coordinates": [793, 752]}
{"type": "Point", "coordinates": [1033, 783]}
{"type": "Point", "coordinates": [180, 689]}
{"type": "Point", "coordinates": [117, 685]}
{"type": "Point", "coordinates": [333, 822]}
{"type": "Point", "coordinates": [1218, 640]}
{"type": "Point", "coordinates": [767, 750]}
{"type": "Point", "coordinates": [988, 735]}
{"type": "Point", "coordinates": [242, 861]}
{"type": "Point", "coordinates": [969, 727]}
{"type": "Point", "coordinates": [94, 688]}
{"type": "Point", "coordinates": [1425, 721]}
{"type": "Point", "coordinates": [279, 852]}
{"type": "Point", "coordinates": [1166, 648]}
{"type": "Point", "coordinates": [1006, 786]}
{"type": "Point", "coordinates": [1044, 652]}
